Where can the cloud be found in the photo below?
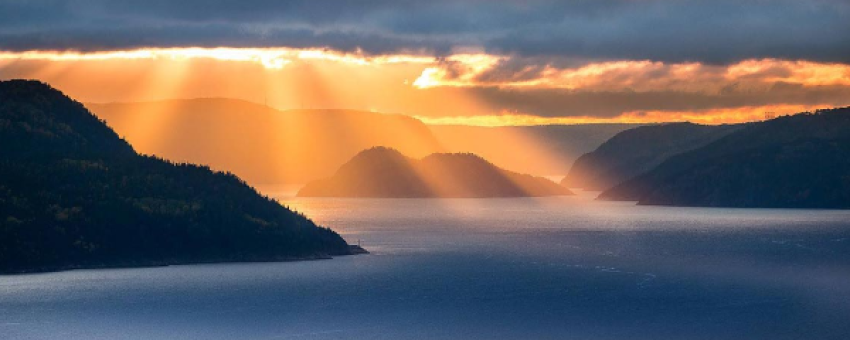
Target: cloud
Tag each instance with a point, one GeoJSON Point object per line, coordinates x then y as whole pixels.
{"type": "Point", "coordinates": [609, 104]}
{"type": "Point", "coordinates": [708, 116]}
{"type": "Point", "coordinates": [539, 89]}
{"type": "Point", "coordinates": [484, 70]}
{"type": "Point", "coordinates": [677, 31]}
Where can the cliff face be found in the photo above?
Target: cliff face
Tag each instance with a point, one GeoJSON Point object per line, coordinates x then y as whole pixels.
{"type": "Point", "coordinates": [637, 151]}
{"type": "Point", "coordinates": [800, 161]}
{"type": "Point", "coordinates": [73, 194]}
{"type": "Point", "coordinates": [384, 172]}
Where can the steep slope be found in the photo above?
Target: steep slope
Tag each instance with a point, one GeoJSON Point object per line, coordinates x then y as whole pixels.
{"type": "Point", "coordinates": [73, 194]}
{"type": "Point", "coordinates": [544, 150]}
{"type": "Point", "coordinates": [258, 143]}
{"type": "Point", "coordinates": [633, 152]}
{"type": "Point", "coordinates": [800, 161]}
{"type": "Point", "coordinates": [385, 172]}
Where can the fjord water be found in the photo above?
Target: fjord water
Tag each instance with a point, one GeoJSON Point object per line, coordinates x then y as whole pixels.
{"type": "Point", "coordinates": [548, 268]}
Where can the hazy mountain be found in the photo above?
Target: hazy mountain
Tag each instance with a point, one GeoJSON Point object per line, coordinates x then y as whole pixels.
{"type": "Point", "coordinates": [258, 143]}
{"type": "Point", "coordinates": [385, 172]}
{"type": "Point", "coordinates": [546, 150]}
{"type": "Point", "coordinates": [73, 194]}
{"type": "Point", "coordinates": [633, 152]}
{"type": "Point", "coordinates": [800, 161]}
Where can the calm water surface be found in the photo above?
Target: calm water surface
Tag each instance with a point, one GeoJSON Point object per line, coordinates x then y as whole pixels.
{"type": "Point", "coordinates": [554, 268]}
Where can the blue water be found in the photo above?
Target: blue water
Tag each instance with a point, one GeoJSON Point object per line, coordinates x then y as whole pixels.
{"type": "Point", "coordinates": [554, 268]}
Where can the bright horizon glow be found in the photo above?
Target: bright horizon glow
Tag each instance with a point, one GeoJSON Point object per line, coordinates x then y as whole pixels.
{"type": "Point", "coordinates": [439, 90]}
{"type": "Point", "coordinates": [635, 75]}
{"type": "Point", "coordinates": [271, 57]}
{"type": "Point", "coordinates": [473, 89]}
{"type": "Point", "coordinates": [708, 117]}
{"type": "Point", "coordinates": [467, 70]}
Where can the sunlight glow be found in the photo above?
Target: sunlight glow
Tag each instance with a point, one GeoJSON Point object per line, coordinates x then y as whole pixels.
{"type": "Point", "coordinates": [800, 72]}
{"type": "Point", "coordinates": [632, 75]}
{"type": "Point", "coordinates": [431, 88]}
{"type": "Point", "coordinates": [271, 58]}
{"type": "Point", "coordinates": [457, 70]}
{"type": "Point", "coordinates": [709, 117]}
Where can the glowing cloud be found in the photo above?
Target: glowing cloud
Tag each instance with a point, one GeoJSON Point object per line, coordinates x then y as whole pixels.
{"type": "Point", "coordinates": [471, 88]}
{"type": "Point", "coordinates": [457, 70]}
{"type": "Point", "coordinates": [710, 117]}
{"type": "Point", "coordinates": [271, 58]}
{"type": "Point", "coordinates": [630, 75]}
{"type": "Point", "coordinates": [486, 70]}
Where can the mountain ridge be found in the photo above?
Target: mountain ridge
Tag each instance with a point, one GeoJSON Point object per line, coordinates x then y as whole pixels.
{"type": "Point", "coordinates": [261, 144]}
{"type": "Point", "coordinates": [633, 152]}
{"type": "Point", "coordinates": [796, 161]}
{"type": "Point", "coordinates": [385, 172]}
{"type": "Point", "coordinates": [75, 195]}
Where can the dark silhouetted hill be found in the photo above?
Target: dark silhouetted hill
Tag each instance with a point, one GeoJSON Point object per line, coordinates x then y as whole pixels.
{"type": "Point", "coordinates": [634, 152]}
{"type": "Point", "coordinates": [73, 194]}
{"type": "Point", "coordinates": [799, 161]}
{"type": "Point", "coordinates": [385, 172]}
{"type": "Point", "coordinates": [258, 143]}
{"type": "Point", "coordinates": [543, 150]}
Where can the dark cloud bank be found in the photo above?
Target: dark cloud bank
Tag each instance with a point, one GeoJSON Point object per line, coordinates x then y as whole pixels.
{"type": "Point", "coordinates": [718, 32]}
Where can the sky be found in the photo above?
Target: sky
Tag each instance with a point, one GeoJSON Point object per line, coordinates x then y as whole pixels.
{"type": "Point", "coordinates": [446, 62]}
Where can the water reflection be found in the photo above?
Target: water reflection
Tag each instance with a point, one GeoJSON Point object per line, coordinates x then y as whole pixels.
{"type": "Point", "coordinates": [555, 268]}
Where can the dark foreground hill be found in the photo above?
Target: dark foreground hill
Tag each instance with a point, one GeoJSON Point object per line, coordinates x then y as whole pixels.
{"type": "Point", "coordinates": [258, 143]}
{"type": "Point", "coordinates": [799, 161]}
{"type": "Point", "coordinates": [384, 172]}
{"type": "Point", "coordinates": [634, 152]}
{"type": "Point", "coordinates": [73, 194]}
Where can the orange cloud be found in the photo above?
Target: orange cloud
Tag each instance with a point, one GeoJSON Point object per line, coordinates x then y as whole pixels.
{"type": "Point", "coordinates": [487, 70]}
{"type": "Point", "coordinates": [799, 72]}
{"type": "Point", "coordinates": [640, 75]}
{"type": "Point", "coordinates": [710, 117]}
{"type": "Point", "coordinates": [272, 58]}
{"type": "Point", "coordinates": [464, 88]}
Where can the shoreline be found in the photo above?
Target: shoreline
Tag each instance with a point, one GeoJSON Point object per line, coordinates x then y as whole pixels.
{"type": "Point", "coordinates": [353, 250]}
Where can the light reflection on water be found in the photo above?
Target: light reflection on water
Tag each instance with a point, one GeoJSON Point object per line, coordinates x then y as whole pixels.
{"type": "Point", "coordinates": [553, 268]}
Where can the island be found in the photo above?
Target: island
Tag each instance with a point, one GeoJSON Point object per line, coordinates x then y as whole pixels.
{"type": "Point", "coordinates": [75, 195]}
{"type": "Point", "coordinates": [381, 172]}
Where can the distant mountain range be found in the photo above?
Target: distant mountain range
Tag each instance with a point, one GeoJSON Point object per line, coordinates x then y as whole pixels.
{"type": "Point", "coordinates": [73, 194]}
{"type": "Point", "coordinates": [541, 150]}
{"type": "Point", "coordinates": [636, 151]}
{"type": "Point", "coordinates": [798, 161]}
{"type": "Point", "coordinates": [385, 172]}
{"type": "Point", "coordinates": [268, 146]}
{"type": "Point", "coordinates": [676, 164]}
{"type": "Point", "coordinates": [258, 143]}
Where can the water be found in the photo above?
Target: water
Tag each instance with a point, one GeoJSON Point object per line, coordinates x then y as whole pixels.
{"type": "Point", "coordinates": [554, 268]}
